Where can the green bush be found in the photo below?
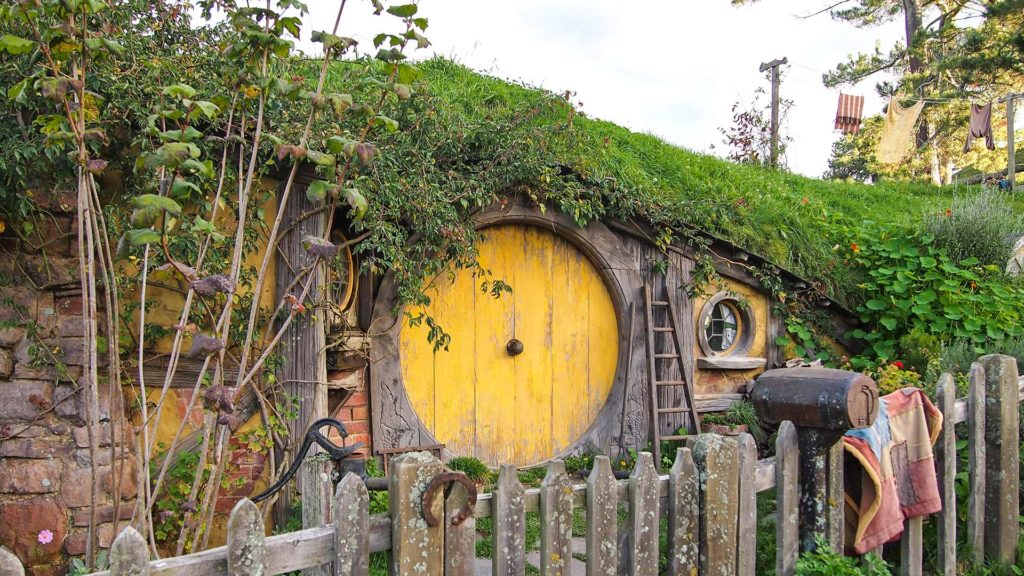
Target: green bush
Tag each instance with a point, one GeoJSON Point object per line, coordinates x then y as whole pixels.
{"type": "Point", "coordinates": [826, 562]}
{"type": "Point", "coordinates": [912, 286]}
{"type": "Point", "coordinates": [472, 467]}
{"type": "Point", "coordinates": [982, 226]}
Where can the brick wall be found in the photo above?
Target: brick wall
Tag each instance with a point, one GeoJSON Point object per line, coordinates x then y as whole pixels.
{"type": "Point", "coordinates": [355, 412]}
{"type": "Point", "coordinates": [46, 469]}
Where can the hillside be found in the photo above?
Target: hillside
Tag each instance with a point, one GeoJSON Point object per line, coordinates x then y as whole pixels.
{"type": "Point", "coordinates": [580, 163]}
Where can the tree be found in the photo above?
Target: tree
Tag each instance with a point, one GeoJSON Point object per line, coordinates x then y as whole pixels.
{"type": "Point", "coordinates": [954, 51]}
{"type": "Point", "coordinates": [748, 138]}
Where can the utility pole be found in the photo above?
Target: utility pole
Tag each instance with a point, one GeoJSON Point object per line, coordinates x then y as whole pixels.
{"type": "Point", "coordinates": [1011, 147]}
{"type": "Point", "coordinates": [774, 67]}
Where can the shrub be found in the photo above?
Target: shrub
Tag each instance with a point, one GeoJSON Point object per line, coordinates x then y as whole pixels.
{"type": "Point", "coordinates": [983, 226]}
{"type": "Point", "coordinates": [911, 286]}
{"type": "Point", "coordinates": [824, 561]}
{"type": "Point", "coordinates": [472, 467]}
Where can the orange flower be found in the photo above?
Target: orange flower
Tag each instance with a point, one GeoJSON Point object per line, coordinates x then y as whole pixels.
{"type": "Point", "coordinates": [949, 212]}
{"type": "Point", "coordinates": [804, 201]}
{"type": "Point", "coordinates": [854, 247]}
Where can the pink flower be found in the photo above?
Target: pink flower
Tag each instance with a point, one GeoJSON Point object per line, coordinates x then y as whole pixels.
{"type": "Point", "coordinates": [45, 537]}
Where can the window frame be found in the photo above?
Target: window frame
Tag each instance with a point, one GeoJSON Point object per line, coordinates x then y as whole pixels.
{"type": "Point", "coordinates": [746, 326]}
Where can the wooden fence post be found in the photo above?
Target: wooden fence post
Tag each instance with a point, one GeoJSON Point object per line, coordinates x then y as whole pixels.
{"type": "Point", "coordinates": [459, 539]}
{"type": "Point", "coordinates": [644, 516]}
{"type": "Point", "coordinates": [787, 500]}
{"type": "Point", "coordinates": [718, 465]}
{"type": "Point", "coordinates": [683, 515]}
{"type": "Point", "coordinates": [317, 493]}
{"type": "Point", "coordinates": [416, 549]}
{"type": "Point", "coordinates": [129, 555]}
{"type": "Point", "coordinates": [1002, 461]}
{"type": "Point", "coordinates": [746, 529]}
{"type": "Point", "coordinates": [10, 564]}
{"type": "Point", "coordinates": [555, 521]}
{"type": "Point", "coordinates": [911, 547]}
{"type": "Point", "coordinates": [836, 498]}
{"type": "Point", "coordinates": [945, 467]}
{"type": "Point", "coordinates": [351, 527]}
{"type": "Point", "coordinates": [976, 462]}
{"type": "Point", "coordinates": [509, 521]}
{"type": "Point", "coordinates": [246, 549]}
{"type": "Point", "coordinates": [602, 520]}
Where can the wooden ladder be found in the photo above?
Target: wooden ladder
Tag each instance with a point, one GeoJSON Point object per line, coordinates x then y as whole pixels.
{"type": "Point", "coordinates": [688, 405]}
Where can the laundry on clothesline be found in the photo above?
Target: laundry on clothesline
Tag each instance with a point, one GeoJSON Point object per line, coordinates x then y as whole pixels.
{"type": "Point", "coordinates": [898, 131]}
{"type": "Point", "coordinates": [980, 125]}
{"type": "Point", "coordinates": [849, 112]}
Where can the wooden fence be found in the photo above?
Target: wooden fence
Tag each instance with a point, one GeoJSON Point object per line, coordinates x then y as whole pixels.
{"type": "Point", "coordinates": [708, 498]}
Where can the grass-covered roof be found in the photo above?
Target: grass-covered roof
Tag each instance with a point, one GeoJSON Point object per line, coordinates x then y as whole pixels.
{"type": "Point", "coordinates": [789, 220]}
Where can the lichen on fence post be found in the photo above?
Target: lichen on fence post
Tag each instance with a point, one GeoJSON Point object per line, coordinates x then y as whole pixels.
{"type": "Point", "coordinates": [351, 527]}
{"type": "Point", "coordinates": [976, 462]}
{"type": "Point", "coordinates": [509, 521]}
{"type": "Point", "coordinates": [416, 548]}
{"type": "Point", "coordinates": [945, 467]}
{"type": "Point", "coordinates": [787, 500]}
{"type": "Point", "coordinates": [683, 515]}
{"type": "Point", "coordinates": [717, 463]}
{"type": "Point", "coordinates": [644, 515]}
{"type": "Point", "coordinates": [459, 539]}
{"type": "Point", "coordinates": [1002, 460]}
{"type": "Point", "coordinates": [602, 522]}
{"type": "Point", "coordinates": [555, 521]}
{"type": "Point", "coordinates": [246, 541]}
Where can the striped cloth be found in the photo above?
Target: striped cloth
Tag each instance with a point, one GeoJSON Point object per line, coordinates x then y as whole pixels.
{"type": "Point", "coordinates": [849, 113]}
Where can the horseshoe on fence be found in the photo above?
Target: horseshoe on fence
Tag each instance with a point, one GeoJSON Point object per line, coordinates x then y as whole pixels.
{"type": "Point", "coordinates": [447, 479]}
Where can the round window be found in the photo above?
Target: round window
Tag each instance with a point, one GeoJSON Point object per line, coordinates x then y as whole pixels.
{"type": "Point", "coordinates": [725, 326]}
{"type": "Point", "coordinates": [721, 327]}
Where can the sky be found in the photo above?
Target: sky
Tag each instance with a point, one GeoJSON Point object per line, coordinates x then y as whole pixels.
{"type": "Point", "coordinates": [669, 68]}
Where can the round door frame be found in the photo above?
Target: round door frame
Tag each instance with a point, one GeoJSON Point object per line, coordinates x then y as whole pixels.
{"type": "Point", "coordinates": [395, 424]}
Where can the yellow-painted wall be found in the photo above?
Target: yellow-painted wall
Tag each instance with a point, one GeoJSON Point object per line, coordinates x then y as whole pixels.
{"type": "Point", "coordinates": [730, 381]}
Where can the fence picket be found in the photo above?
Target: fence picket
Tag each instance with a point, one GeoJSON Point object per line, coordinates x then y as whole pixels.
{"type": "Point", "coordinates": [945, 467]}
{"type": "Point", "coordinates": [787, 498]}
{"type": "Point", "coordinates": [644, 515]}
{"type": "Point", "coordinates": [129, 554]}
{"type": "Point", "coordinates": [976, 462]}
{"type": "Point", "coordinates": [416, 549]}
{"type": "Point", "coordinates": [9, 563]}
{"type": "Point", "coordinates": [459, 539]}
{"type": "Point", "coordinates": [836, 498]}
{"type": "Point", "coordinates": [509, 555]}
{"type": "Point", "coordinates": [746, 530]}
{"type": "Point", "coordinates": [718, 465]}
{"type": "Point", "coordinates": [351, 527]}
{"type": "Point", "coordinates": [246, 550]}
{"type": "Point", "coordinates": [910, 547]}
{"type": "Point", "coordinates": [1002, 458]}
{"type": "Point", "coordinates": [556, 498]}
{"type": "Point", "coordinates": [317, 496]}
{"type": "Point", "coordinates": [602, 520]}
{"type": "Point", "coordinates": [683, 515]}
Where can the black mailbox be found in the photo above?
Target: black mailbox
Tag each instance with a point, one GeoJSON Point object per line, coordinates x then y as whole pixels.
{"type": "Point", "coordinates": [816, 398]}
{"type": "Point", "coordinates": [822, 404]}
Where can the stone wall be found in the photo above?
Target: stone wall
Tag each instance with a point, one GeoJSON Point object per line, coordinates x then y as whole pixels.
{"type": "Point", "coordinates": [46, 469]}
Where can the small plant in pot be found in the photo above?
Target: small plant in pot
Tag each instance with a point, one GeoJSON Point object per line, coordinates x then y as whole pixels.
{"type": "Point", "coordinates": [738, 419]}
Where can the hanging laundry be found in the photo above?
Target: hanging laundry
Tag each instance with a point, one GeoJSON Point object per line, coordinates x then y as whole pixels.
{"type": "Point", "coordinates": [898, 131]}
{"type": "Point", "coordinates": [980, 125]}
{"type": "Point", "coordinates": [849, 112]}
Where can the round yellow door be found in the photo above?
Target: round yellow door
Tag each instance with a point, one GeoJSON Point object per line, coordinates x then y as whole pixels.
{"type": "Point", "coordinates": [502, 403]}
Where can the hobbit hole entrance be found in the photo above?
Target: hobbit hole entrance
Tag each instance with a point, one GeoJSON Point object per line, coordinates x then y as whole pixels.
{"type": "Point", "coordinates": [525, 374]}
